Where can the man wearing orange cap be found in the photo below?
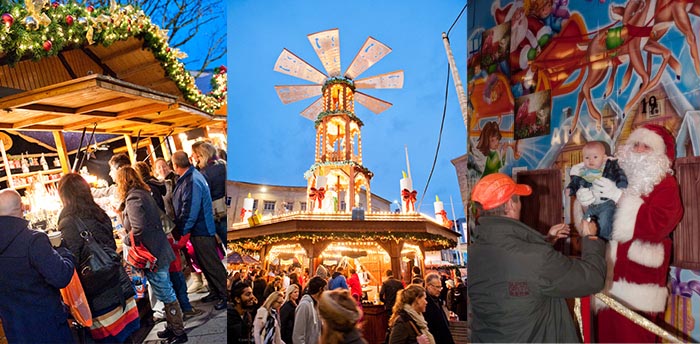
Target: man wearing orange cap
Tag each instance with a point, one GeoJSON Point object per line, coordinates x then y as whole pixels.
{"type": "Point", "coordinates": [517, 281]}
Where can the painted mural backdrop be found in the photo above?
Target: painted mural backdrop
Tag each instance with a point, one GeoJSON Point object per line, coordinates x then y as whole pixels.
{"type": "Point", "coordinates": [547, 76]}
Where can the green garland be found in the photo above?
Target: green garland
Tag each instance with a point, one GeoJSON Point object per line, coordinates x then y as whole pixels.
{"type": "Point", "coordinates": [338, 80]}
{"type": "Point", "coordinates": [357, 165]}
{"type": "Point", "coordinates": [43, 32]}
{"type": "Point", "coordinates": [323, 114]}
{"type": "Point", "coordinates": [247, 244]}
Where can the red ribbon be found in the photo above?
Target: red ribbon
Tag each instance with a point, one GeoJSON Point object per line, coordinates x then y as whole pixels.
{"type": "Point", "coordinates": [409, 199]}
{"type": "Point", "coordinates": [317, 195]}
{"type": "Point", "coordinates": [242, 213]}
{"type": "Point", "coordinates": [445, 221]}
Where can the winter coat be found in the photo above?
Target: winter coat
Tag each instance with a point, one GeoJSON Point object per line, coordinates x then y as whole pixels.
{"type": "Point", "coordinates": [438, 324]}
{"type": "Point", "coordinates": [215, 174]}
{"type": "Point", "coordinates": [459, 303]}
{"type": "Point", "coordinates": [261, 318]}
{"type": "Point", "coordinates": [519, 283]}
{"type": "Point", "coordinates": [33, 272]}
{"type": "Point", "coordinates": [388, 292]}
{"type": "Point", "coordinates": [239, 329]}
{"type": "Point", "coordinates": [287, 320]}
{"type": "Point", "coordinates": [141, 216]}
{"type": "Point", "coordinates": [103, 293]}
{"type": "Point", "coordinates": [307, 322]}
{"type": "Point", "coordinates": [158, 191]}
{"type": "Point", "coordinates": [338, 281]}
{"type": "Point", "coordinates": [612, 171]}
{"type": "Point", "coordinates": [402, 332]}
{"type": "Point", "coordinates": [354, 284]}
{"type": "Point", "coordinates": [192, 203]}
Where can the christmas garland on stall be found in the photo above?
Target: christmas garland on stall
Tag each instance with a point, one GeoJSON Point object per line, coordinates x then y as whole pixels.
{"type": "Point", "coordinates": [253, 244]}
{"type": "Point", "coordinates": [42, 29]}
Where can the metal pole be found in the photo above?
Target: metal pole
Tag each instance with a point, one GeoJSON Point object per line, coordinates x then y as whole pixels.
{"type": "Point", "coordinates": [92, 136]}
{"type": "Point", "coordinates": [77, 155]}
{"type": "Point", "coordinates": [463, 103]}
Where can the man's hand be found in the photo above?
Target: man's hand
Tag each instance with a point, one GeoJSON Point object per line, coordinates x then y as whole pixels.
{"type": "Point", "coordinates": [557, 232]}
{"type": "Point", "coordinates": [587, 228]}
{"type": "Point", "coordinates": [606, 188]}
{"type": "Point", "coordinates": [585, 196]}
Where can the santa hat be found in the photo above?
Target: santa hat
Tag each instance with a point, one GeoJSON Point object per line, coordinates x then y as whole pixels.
{"type": "Point", "coordinates": [657, 137]}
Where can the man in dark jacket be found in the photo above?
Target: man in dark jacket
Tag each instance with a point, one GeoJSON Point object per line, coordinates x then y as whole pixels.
{"type": "Point", "coordinates": [338, 280]}
{"type": "Point", "coordinates": [193, 214]}
{"type": "Point", "coordinates": [240, 320]}
{"type": "Point", "coordinates": [388, 292]}
{"type": "Point", "coordinates": [518, 283]}
{"type": "Point", "coordinates": [438, 324]}
{"type": "Point", "coordinates": [33, 272]}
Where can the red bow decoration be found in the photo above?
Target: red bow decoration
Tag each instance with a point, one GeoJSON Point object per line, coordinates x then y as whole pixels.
{"type": "Point", "coordinates": [317, 195]}
{"type": "Point", "coordinates": [409, 199]}
{"type": "Point", "coordinates": [445, 221]}
{"type": "Point", "coordinates": [242, 213]}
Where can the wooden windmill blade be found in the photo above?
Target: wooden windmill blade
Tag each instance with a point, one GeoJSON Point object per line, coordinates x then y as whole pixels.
{"type": "Point", "coordinates": [292, 93]}
{"type": "Point", "coordinates": [386, 80]}
{"type": "Point", "coordinates": [290, 64]}
{"type": "Point", "coordinates": [312, 111]}
{"type": "Point", "coordinates": [327, 47]}
{"type": "Point", "coordinates": [370, 53]}
{"type": "Point", "coordinates": [375, 105]}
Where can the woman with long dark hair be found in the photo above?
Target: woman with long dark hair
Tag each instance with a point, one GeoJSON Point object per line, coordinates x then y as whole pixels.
{"type": "Point", "coordinates": [141, 218]}
{"type": "Point", "coordinates": [111, 297]}
{"type": "Point", "coordinates": [287, 312]}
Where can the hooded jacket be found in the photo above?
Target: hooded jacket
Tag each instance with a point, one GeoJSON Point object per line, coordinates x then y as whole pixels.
{"type": "Point", "coordinates": [307, 322]}
{"type": "Point", "coordinates": [192, 204]}
{"type": "Point", "coordinates": [519, 283]}
{"type": "Point", "coordinates": [338, 281]}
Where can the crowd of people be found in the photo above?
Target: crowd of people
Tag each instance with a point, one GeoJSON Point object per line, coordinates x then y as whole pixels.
{"type": "Point", "coordinates": [187, 191]}
{"type": "Point", "coordinates": [288, 306]}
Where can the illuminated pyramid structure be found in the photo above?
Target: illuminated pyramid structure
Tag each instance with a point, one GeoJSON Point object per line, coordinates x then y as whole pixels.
{"type": "Point", "coordinates": [337, 174]}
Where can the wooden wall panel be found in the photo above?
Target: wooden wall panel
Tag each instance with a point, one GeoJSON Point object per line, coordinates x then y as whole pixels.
{"type": "Point", "coordinates": [686, 237]}
{"type": "Point", "coordinates": [543, 208]}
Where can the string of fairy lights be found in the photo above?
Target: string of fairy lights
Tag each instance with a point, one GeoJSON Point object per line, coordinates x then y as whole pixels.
{"type": "Point", "coordinates": [40, 29]}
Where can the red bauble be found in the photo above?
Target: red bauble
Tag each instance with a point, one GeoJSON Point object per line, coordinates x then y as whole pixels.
{"type": "Point", "coordinates": [7, 19]}
{"type": "Point", "coordinates": [48, 45]}
{"type": "Point", "coordinates": [69, 19]}
{"type": "Point", "coordinates": [55, 4]}
{"type": "Point", "coordinates": [90, 8]}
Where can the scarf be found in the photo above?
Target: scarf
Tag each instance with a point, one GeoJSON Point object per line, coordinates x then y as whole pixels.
{"type": "Point", "coordinates": [420, 321]}
{"type": "Point", "coordinates": [268, 333]}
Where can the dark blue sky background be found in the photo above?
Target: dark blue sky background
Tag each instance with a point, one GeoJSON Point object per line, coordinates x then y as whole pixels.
{"type": "Point", "coordinates": [270, 143]}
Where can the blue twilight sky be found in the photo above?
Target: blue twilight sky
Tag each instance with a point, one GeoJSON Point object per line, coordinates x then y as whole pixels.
{"type": "Point", "coordinates": [270, 143]}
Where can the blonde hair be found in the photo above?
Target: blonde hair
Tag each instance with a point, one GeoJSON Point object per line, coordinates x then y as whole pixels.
{"type": "Point", "coordinates": [289, 291]}
{"type": "Point", "coordinates": [405, 297]}
{"type": "Point", "coordinates": [271, 299]}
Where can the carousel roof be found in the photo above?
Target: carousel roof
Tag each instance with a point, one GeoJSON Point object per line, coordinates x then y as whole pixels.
{"type": "Point", "coordinates": [317, 227]}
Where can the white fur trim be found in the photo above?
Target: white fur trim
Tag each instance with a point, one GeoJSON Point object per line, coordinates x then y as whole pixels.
{"type": "Point", "coordinates": [648, 137]}
{"type": "Point", "coordinates": [545, 30]}
{"type": "Point", "coordinates": [641, 297]}
{"type": "Point", "coordinates": [647, 254]}
{"type": "Point", "coordinates": [626, 217]}
{"type": "Point", "coordinates": [522, 60]}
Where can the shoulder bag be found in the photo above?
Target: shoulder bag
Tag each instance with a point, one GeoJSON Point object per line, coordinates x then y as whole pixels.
{"type": "Point", "coordinates": [139, 256]}
{"type": "Point", "coordinates": [101, 262]}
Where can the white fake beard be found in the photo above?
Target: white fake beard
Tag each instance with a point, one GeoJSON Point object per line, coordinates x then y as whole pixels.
{"type": "Point", "coordinates": [643, 170]}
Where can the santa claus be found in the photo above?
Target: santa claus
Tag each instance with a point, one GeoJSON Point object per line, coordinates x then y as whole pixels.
{"type": "Point", "coordinates": [640, 250]}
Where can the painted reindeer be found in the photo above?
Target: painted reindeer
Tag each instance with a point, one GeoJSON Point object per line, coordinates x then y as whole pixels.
{"type": "Point", "coordinates": [612, 47]}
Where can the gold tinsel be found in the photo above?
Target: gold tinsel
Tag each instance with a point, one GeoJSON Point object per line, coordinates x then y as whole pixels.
{"type": "Point", "coordinates": [636, 318]}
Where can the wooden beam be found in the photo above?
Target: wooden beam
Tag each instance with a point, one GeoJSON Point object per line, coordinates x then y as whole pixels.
{"type": "Point", "coordinates": [61, 150]}
{"type": "Point", "coordinates": [130, 149]}
{"type": "Point", "coordinates": [103, 104]}
{"type": "Point", "coordinates": [34, 120]}
{"type": "Point", "coordinates": [139, 69]}
{"type": "Point", "coordinates": [120, 53]}
{"type": "Point", "coordinates": [106, 70]}
{"type": "Point", "coordinates": [66, 65]}
{"type": "Point", "coordinates": [47, 108]}
{"type": "Point", "coordinates": [142, 110]}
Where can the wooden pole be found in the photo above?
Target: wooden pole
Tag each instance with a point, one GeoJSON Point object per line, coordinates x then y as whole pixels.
{"type": "Point", "coordinates": [61, 150]}
{"type": "Point", "coordinates": [130, 148]}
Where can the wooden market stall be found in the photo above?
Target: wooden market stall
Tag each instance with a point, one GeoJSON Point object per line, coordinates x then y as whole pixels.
{"type": "Point", "coordinates": [67, 69]}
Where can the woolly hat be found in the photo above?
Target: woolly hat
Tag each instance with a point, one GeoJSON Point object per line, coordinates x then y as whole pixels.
{"type": "Point", "coordinates": [339, 310]}
{"type": "Point", "coordinates": [657, 137]}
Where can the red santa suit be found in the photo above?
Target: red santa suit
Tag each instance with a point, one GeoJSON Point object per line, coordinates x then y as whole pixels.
{"type": "Point", "coordinates": [639, 253]}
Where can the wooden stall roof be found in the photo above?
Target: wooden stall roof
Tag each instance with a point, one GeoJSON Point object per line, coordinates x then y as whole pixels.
{"type": "Point", "coordinates": [117, 106]}
{"type": "Point", "coordinates": [128, 62]}
{"type": "Point", "coordinates": [342, 224]}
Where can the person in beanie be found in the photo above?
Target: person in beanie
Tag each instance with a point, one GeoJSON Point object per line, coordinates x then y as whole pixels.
{"type": "Point", "coordinates": [640, 249]}
{"type": "Point", "coordinates": [340, 316]}
{"type": "Point", "coordinates": [518, 282]}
